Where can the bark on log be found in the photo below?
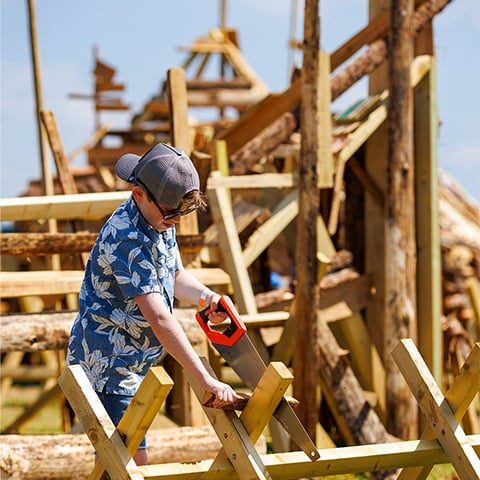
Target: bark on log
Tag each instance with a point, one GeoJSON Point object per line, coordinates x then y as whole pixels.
{"type": "Point", "coordinates": [31, 332]}
{"type": "Point", "coordinates": [70, 457]}
{"type": "Point", "coordinates": [400, 246]}
{"type": "Point", "coordinates": [265, 142]}
{"type": "Point", "coordinates": [46, 243]}
{"type": "Point", "coordinates": [345, 395]}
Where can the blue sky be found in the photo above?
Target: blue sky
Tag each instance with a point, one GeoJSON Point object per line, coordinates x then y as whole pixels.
{"type": "Point", "coordinates": [141, 39]}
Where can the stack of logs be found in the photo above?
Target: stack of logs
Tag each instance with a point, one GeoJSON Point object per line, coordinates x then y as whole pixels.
{"type": "Point", "coordinates": [460, 244]}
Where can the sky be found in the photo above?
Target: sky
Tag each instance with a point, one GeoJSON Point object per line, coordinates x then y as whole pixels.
{"type": "Point", "coordinates": [141, 41]}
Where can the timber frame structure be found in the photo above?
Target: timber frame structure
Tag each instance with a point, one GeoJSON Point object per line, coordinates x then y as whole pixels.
{"type": "Point", "coordinates": [364, 364]}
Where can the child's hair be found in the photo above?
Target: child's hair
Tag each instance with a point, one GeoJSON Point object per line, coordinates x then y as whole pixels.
{"type": "Point", "coordinates": [195, 197]}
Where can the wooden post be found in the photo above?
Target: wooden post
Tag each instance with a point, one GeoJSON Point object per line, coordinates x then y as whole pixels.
{"type": "Point", "coordinates": [181, 136]}
{"type": "Point", "coordinates": [305, 361]}
{"type": "Point", "coordinates": [400, 260]}
{"type": "Point", "coordinates": [47, 178]}
{"type": "Point", "coordinates": [46, 167]}
{"type": "Point", "coordinates": [429, 288]}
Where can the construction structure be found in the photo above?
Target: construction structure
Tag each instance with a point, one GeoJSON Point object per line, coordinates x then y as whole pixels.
{"type": "Point", "coordinates": [349, 201]}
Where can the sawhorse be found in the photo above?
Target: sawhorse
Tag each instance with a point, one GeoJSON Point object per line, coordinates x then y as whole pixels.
{"type": "Point", "coordinates": [115, 446]}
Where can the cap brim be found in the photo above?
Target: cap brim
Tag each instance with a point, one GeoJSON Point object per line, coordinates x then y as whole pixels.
{"type": "Point", "coordinates": [126, 165]}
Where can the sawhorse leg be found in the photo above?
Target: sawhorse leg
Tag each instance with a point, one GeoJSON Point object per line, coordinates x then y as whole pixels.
{"type": "Point", "coordinates": [445, 412]}
{"type": "Point", "coordinates": [239, 434]}
{"type": "Point", "coordinates": [115, 446]}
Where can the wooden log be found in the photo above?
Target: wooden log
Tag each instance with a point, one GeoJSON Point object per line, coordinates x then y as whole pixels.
{"type": "Point", "coordinates": [41, 243]}
{"type": "Point", "coordinates": [345, 396]}
{"type": "Point", "coordinates": [71, 457]}
{"type": "Point", "coordinates": [400, 281]}
{"type": "Point", "coordinates": [266, 141]}
{"type": "Point", "coordinates": [305, 358]}
{"type": "Point", "coordinates": [33, 332]}
{"type": "Point", "coordinates": [46, 243]}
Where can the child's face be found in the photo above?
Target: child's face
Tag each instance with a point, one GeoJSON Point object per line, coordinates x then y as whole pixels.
{"type": "Point", "coordinates": [151, 211]}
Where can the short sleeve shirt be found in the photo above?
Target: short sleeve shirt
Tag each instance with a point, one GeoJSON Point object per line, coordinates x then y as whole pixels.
{"type": "Point", "coordinates": [110, 338]}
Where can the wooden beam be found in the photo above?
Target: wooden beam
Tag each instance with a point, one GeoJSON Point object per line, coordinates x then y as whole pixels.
{"type": "Point", "coordinates": [325, 165]}
{"type": "Point", "coordinates": [262, 180]}
{"type": "Point", "coordinates": [400, 254]}
{"type": "Point", "coordinates": [221, 208]}
{"type": "Point", "coordinates": [333, 461]}
{"type": "Point", "coordinates": [49, 282]}
{"type": "Point", "coordinates": [64, 172]}
{"type": "Point", "coordinates": [305, 358]}
{"type": "Point", "coordinates": [61, 207]}
{"type": "Point", "coordinates": [17, 284]}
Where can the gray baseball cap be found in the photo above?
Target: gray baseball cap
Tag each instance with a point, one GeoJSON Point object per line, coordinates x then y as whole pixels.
{"type": "Point", "coordinates": [166, 172]}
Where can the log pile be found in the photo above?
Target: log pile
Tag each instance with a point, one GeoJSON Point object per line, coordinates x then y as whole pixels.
{"type": "Point", "coordinates": [460, 244]}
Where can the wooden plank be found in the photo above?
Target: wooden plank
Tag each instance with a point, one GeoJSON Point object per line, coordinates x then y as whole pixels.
{"type": "Point", "coordinates": [106, 440]}
{"type": "Point", "coordinates": [61, 207]}
{"type": "Point", "coordinates": [445, 426]}
{"type": "Point", "coordinates": [333, 461]}
{"type": "Point", "coordinates": [231, 249]}
{"type": "Point", "coordinates": [459, 396]}
{"type": "Point", "coordinates": [141, 412]}
{"type": "Point", "coordinates": [326, 167]}
{"type": "Point", "coordinates": [64, 171]}
{"type": "Point", "coordinates": [181, 135]}
{"type": "Point", "coordinates": [17, 284]}
{"type": "Point", "coordinates": [49, 282]}
{"type": "Point", "coordinates": [427, 224]}
{"type": "Point", "coordinates": [262, 180]}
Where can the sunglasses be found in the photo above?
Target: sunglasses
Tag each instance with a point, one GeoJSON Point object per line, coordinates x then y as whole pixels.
{"type": "Point", "coordinates": [167, 214]}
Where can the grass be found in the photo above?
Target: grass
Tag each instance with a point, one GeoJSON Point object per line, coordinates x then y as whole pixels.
{"type": "Point", "coordinates": [48, 420]}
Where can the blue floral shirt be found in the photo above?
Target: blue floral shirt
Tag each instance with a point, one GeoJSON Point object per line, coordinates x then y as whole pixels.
{"type": "Point", "coordinates": [110, 338]}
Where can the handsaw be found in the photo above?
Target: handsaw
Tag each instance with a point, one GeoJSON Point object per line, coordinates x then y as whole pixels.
{"type": "Point", "coordinates": [237, 349]}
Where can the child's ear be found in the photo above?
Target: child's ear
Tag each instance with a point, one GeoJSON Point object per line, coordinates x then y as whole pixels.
{"type": "Point", "coordinates": [138, 193]}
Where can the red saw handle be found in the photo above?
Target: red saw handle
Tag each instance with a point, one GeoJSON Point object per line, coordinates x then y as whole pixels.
{"type": "Point", "coordinates": [232, 333]}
